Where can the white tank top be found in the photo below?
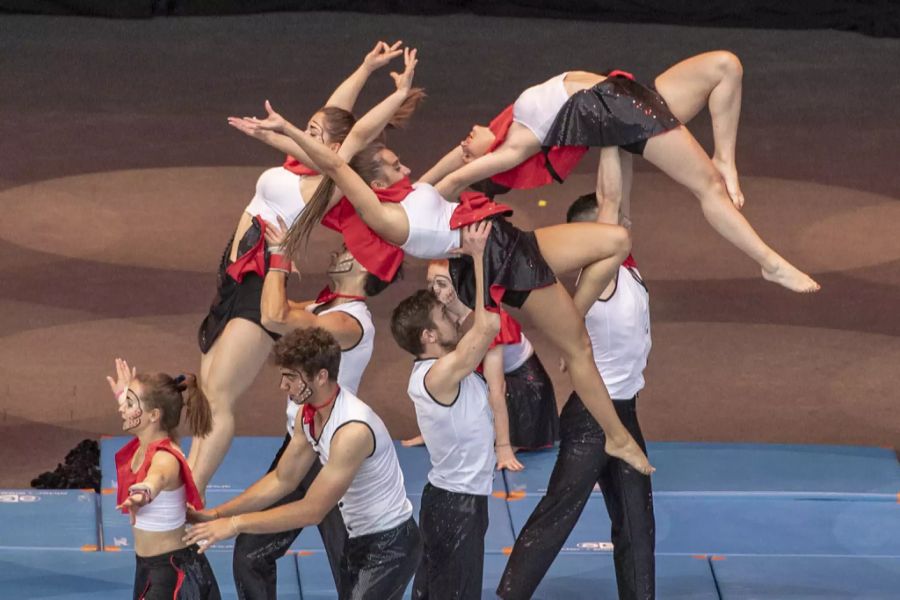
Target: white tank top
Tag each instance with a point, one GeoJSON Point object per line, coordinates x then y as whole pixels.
{"type": "Point", "coordinates": [619, 329]}
{"type": "Point", "coordinates": [536, 108]}
{"type": "Point", "coordinates": [277, 195]}
{"type": "Point", "coordinates": [165, 513]}
{"type": "Point", "coordinates": [429, 215]}
{"type": "Point", "coordinates": [515, 355]}
{"type": "Point", "coordinates": [459, 437]}
{"type": "Point", "coordinates": [353, 360]}
{"type": "Point", "coordinates": [376, 500]}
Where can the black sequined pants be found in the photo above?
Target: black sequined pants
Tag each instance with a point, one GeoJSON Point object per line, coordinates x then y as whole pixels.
{"type": "Point", "coordinates": [629, 501]}
{"type": "Point", "coordinates": [531, 404]}
{"type": "Point", "coordinates": [179, 575]}
{"type": "Point", "coordinates": [380, 565]}
{"type": "Point", "coordinates": [255, 570]}
{"type": "Point", "coordinates": [453, 530]}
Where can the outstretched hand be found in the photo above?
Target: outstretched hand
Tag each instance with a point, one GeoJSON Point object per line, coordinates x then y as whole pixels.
{"type": "Point", "coordinates": [138, 497]}
{"type": "Point", "coordinates": [208, 533]}
{"type": "Point", "coordinates": [255, 127]}
{"type": "Point", "coordinates": [381, 55]}
{"type": "Point", "coordinates": [404, 80]}
{"type": "Point", "coordinates": [206, 515]}
{"type": "Point", "coordinates": [124, 375]}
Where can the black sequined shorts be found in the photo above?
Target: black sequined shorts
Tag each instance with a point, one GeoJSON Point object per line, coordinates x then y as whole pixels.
{"type": "Point", "coordinates": [181, 574]}
{"type": "Point", "coordinates": [512, 260]}
{"type": "Point", "coordinates": [618, 111]}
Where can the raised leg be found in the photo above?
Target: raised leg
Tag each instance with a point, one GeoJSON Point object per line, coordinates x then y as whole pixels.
{"type": "Point", "coordinates": [237, 356]}
{"type": "Point", "coordinates": [711, 79]}
{"type": "Point", "coordinates": [596, 248]}
{"type": "Point", "coordinates": [552, 310]}
{"type": "Point", "coordinates": [680, 157]}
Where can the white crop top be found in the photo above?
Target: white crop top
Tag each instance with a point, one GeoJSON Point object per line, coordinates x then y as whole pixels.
{"type": "Point", "coordinates": [277, 195]}
{"type": "Point", "coordinates": [429, 216]}
{"type": "Point", "coordinates": [536, 108]}
{"type": "Point", "coordinates": [353, 360]}
{"type": "Point", "coordinates": [515, 355]}
{"type": "Point", "coordinates": [164, 513]}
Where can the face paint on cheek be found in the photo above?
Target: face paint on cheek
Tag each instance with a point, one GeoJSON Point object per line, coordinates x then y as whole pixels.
{"type": "Point", "coordinates": [133, 411]}
{"type": "Point", "coordinates": [134, 420]}
{"type": "Point", "coordinates": [343, 266]}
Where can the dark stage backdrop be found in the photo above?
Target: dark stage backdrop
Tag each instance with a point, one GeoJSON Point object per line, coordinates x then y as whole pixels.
{"type": "Point", "coordinates": [872, 17]}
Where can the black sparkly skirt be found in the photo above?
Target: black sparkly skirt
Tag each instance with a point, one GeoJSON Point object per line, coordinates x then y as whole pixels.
{"type": "Point", "coordinates": [531, 404]}
{"type": "Point", "coordinates": [234, 299]}
{"type": "Point", "coordinates": [618, 111]}
{"type": "Point", "coordinates": [512, 260]}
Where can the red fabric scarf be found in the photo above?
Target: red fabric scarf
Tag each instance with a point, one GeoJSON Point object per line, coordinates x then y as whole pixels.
{"type": "Point", "coordinates": [327, 295]}
{"type": "Point", "coordinates": [126, 478]}
{"type": "Point", "coordinates": [474, 207]}
{"type": "Point", "coordinates": [298, 168]}
{"type": "Point", "coordinates": [252, 261]}
{"type": "Point", "coordinates": [309, 413]}
{"type": "Point", "coordinates": [532, 172]}
{"type": "Point", "coordinates": [379, 257]}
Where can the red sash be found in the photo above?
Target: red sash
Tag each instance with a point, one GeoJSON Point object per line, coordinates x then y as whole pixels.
{"type": "Point", "coordinates": [532, 172]}
{"type": "Point", "coordinates": [474, 207]}
{"type": "Point", "coordinates": [253, 260]}
{"type": "Point", "coordinates": [126, 478]}
{"type": "Point", "coordinates": [379, 257]}
{"type": "Point", "coordinates": [298, 168]}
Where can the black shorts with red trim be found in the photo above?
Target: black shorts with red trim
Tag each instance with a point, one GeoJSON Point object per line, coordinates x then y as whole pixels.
{"type": "Point", "coordinates": [179, 575]}
{"type": "Point", "coordinates": [234, 299]}
{"type": "Point", "coordinates": [512, 261]}
{"type": "Point", "coordinates": [618, 111]}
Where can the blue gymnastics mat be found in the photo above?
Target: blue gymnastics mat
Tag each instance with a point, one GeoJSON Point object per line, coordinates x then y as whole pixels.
{"type": "Point", "coordinates": [63, 575]}
{"type": "Point", "coordinates": [246, 461]}
{"type": "Point", "coordinates": [733, 525]}
{"type": "Point", "coordinates": [314, 572]}
{"type": "Point", "coordinates": [575, 576]}
{"type": "Point", "coordinates": [807, 578]}
{"type": "Point", "coordinates": [48, 519]}
{"type": "Point", "coordinates": [776, 469]}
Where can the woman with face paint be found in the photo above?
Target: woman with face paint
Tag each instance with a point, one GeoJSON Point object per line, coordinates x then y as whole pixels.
{"type": "Point", "coordinates": [233, 342]}
{"type": "Point", "coordinates": [543, 135]}
{"type": "Point", "coordinates": [520, 390]}
{"type": "Point", "coordinates": [155, 484]}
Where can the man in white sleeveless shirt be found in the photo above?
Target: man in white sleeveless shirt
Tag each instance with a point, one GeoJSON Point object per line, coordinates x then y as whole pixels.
{"type": "Point", "coordinates": [454, 416]}
{"type": "Point", "coordinates": [618, 324]}
{"type": "Point", "coordinates": [342, 311]}
{"type": "Point", "coordinates": [360, 475]}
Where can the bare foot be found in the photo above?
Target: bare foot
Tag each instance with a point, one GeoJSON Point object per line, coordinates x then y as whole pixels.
{"type": "Point", "coordinates": [791, 277]}
{"type": "Point", "coordinates": [631, 453]}
{"type": "Point", "coordinates": [416, 441]}
{"type": "Point", "coordinates": [729, 174]}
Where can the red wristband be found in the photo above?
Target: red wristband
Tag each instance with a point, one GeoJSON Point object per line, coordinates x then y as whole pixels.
{"type": "Point", "coordinates": [279, 262]}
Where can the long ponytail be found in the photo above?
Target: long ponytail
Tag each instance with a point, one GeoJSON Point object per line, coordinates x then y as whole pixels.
{"type": "Point", "coordinates": [198, 411]}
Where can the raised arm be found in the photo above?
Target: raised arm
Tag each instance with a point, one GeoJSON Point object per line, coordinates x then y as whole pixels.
{"type": "Point", "coordinates": [345, 95]}
{"type": "Point", "coordinates": [280, 315]}
{"type": "Point", "coordinates": [519, 145]}
{"type": "Point", "coordinates": [496, 381]}
{"type": "Point", "coordinates": [609, 185]}
{"type": "Point", "coordinates": [451, 161]}
{"type": "Point", "coordinates": [442, 380]}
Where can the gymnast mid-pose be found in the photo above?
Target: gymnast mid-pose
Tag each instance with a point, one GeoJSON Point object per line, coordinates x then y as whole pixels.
{"type": "Point", "coordinates": [575, 110]}
{"type": "Point", "coordinates": [233, 342]}
{"type": "Point", "coordinates": [520, 266]}
{"type": "Point", "coordinates": [155, 483]}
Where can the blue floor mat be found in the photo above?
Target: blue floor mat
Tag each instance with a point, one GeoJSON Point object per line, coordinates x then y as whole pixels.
{"type": "Point", "coordinates": [50, 519]}
{"type": "Point", "coordinates": [807, 578]}
{"type": "Point", "coordinates": [777, 469]}
{"type": "Point", "coordinates": [706, 525]}
{"type": "Point", "coordinates": [592, 575]}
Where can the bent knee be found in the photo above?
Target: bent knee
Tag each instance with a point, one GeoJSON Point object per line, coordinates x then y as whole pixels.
{"type": "Point", "coordinates": [729, 64]}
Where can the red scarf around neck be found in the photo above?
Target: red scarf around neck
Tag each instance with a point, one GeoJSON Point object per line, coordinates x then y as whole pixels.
{"type": "Point", "coordinates": [327, 295]}
{"type": "Point", "coordinates": [309, 412]}
{"type": "Point", "coordinates": [298, 168]}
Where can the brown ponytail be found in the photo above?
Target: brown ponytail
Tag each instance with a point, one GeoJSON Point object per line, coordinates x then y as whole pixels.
{"type": "Point", "coordinates": [199, 414]}
{"type": "Point", "coordinates": [166, 393]}
{"type": "Point", "coordinates": [404, 114]}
